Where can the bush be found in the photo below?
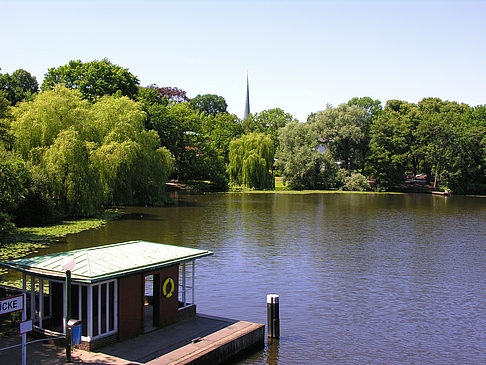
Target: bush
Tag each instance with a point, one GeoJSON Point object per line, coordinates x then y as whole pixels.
{"type": "Point", "coordinates": [356, 182]}
{"type": "Point", "coordinates": [6, 226]}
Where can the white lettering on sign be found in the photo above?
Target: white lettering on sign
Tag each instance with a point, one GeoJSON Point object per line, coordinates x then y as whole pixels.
{"type": "Point", "coordinates": [11, 304]}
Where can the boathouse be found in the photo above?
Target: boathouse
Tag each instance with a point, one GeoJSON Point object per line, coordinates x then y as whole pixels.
{"type": "Point", "coordinates": [118, 291]}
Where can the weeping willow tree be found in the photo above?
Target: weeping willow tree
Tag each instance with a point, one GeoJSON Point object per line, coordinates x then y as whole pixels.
{"type": "Point", "coordinates": [250, 161]}
{"type": "Point", "coordinates": [92, 155]}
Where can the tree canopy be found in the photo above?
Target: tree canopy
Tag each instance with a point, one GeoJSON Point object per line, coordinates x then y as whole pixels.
{"type": "Point", "coordinates": [251, 160]}
{"type": "Point", "coordinates": [305, 164]}
{"type": "Point", "coordinates": [94, 138]}
{"type": "Point", "coordinates": [390, 150]}
{"type": "Point", "coordinates": [13, 187]}
{"type": "Point", "coordinates": [221, 129]}
{"type": "Point", "coordinates": [342, 131]}
{"type": "Point", "coordinates": [269, 122]}
{"type": "Point", "coordinates": [93, 79]}
{"type": "Point", "coordinates": [19, 86]}
{"type": "Point", "coordinates": [209, 104]}
{"type": "Point", "coordinates": [94, 155]}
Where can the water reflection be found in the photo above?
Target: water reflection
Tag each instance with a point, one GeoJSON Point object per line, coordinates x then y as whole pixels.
{"type": "Point", "coordinates": [271, 351]}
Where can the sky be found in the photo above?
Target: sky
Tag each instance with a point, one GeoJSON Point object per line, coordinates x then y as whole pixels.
{"type": "Point", "coordinates": [299, 55]}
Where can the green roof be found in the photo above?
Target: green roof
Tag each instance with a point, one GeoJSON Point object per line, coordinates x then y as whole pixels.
{"type": "Point", "coordinates": [108, 262]}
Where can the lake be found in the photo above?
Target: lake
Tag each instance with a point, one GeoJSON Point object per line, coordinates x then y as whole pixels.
{"type": "Point", "coordinates": [362, 278]}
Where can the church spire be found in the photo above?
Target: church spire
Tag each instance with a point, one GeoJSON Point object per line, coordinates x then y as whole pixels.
{"type": "Point", "coordinates": [247, 101]}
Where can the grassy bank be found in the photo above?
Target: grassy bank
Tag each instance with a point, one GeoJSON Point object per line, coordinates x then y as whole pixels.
{"type": "Point", "coordinates": [303, 192]}
{"type": "Point", "coordinates": [281, 188]}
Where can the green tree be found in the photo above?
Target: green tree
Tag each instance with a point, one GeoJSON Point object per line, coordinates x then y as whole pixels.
{"type": "Point", "coordinates": [202, 162]}
{"type": "Point", "coordinates": [176, 125]}
{"type": "Point", "coordinates": [93, 79]}
{"type": "Point", "coordinates": [304, 163]}
{"type": "Point", "coordinates": [209, 104]}
{"type": "Point", "coordinates": [13, 181]}
{"type": "Point", "coordinates": [198, 142]}
{"type": "Point", "coordinates": [389, 152]}
{"type": "Point", "coordinates": [220, 130]}
{"type": "Point", "coordinates": [478, 115]}
{"type": "Point", "coordinates": [73, 180]}
{"type": "Point", "coordinates": [5, 117]}
{"type": "Point", "coordinates": [132, 164]}
{"type": "Point", "coordinates": [373, 109]}
{"type": "Point", "coordinates": [356, 182]}
{"type": "Point", "coordinates": [465, 171]}
{"type": "Point", "coordinates": [268, 122]}
{"type": "Point", "coordinates": [19, 86]}
{"type": "Point", "coordinates": [450, 139]}
{"type": "Point", "coordinates": [342, 131]}
{"type": "Point", "coordinates": [36, 124]}
{"type": "Point", "coordinates": [148, 96]}
{"type": "Point", "coordinates": [250, 161]}
{"type": "Point", "coordinates": [93, 155]}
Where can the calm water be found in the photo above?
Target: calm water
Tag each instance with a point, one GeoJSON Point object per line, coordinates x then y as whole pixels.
{"type": "Point", "coordinates": [380, 279]}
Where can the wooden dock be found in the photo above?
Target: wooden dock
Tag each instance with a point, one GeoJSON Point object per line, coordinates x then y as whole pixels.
{"type": "Point", "coordinates": [199, 340]}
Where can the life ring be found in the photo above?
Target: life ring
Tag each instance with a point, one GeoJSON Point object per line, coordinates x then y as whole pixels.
{"type": "Point", "coordinates": [168, 293]}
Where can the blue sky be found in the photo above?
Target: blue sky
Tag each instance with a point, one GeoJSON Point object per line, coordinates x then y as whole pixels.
{"type": "Point", "coordinates": [299, 55]}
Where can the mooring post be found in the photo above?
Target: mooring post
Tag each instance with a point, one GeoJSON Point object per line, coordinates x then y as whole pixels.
{"type": "Point", "coordinates": [273, 317]}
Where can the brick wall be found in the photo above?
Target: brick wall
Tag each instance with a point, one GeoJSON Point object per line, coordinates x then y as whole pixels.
{"type": "Point", "coordinates": [130, 306]}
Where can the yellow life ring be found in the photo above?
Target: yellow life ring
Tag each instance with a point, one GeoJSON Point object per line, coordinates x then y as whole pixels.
{"type": "Point", "coordinates": [168, 293]}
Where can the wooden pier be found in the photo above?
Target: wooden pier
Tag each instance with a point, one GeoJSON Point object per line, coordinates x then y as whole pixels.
{"type": "Point", "coordinates": [199, 340]}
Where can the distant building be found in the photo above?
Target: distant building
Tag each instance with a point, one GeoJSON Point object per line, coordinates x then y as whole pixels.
{"type": "Point", "coordinates": [246, 113]}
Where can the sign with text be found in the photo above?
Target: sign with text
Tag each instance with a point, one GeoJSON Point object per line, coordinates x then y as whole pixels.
{"type": "Point", "coordinates": [11, 304]}
{"type": "Point", "coordinates": [26, 326]}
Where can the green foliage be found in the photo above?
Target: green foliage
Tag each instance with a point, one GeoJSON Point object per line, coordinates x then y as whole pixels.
{"type": "Point", "coordinates": [197, 142]}
{"type": "Point", "coordinates": [13, 180]}
{"type": "Point", "coordinates": [209, 104]}
{"type": "Point", "coordinates": [389, 149]}
{"type": "Point", "coordinates": [132, 165]}
{"type": "Point", "coordinates": [373, 110]}
{"type": "Point", "coordinates": [73, 180]}
{"type": "Point", "coordinates": [450, 139]}
{"type": "Point", "coordinates": [39, 207]}
{"type": "Point", "coordinates": [178, 127]}
{"type": "Point", "coordinates": [93, 79]}
{"type": "Point", "coordinates": [19, 86]}
{"type": "Point", "coordinates": [268, 122]}
{"type": "Point", "coordinates": [91, 155]}
{"type": "Point", "coordinates": [221, 130]}
{"type": "Point", "coordinates": [356, 182]}
{"type": "Point", "coordinates": [5, 117]}
{"type": "Point", "coordinates": [372, 107]}
{"type": "Point", "coordinates": [250, 161]}
{"type": "Point", "coordinates": [36, 124]}
{"type": "Point", "coordinates": [148, 96]}
{"type": "Point", "coordinates": [298, 156]}
{"type": "Point", "coordinates": [342, 131]}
